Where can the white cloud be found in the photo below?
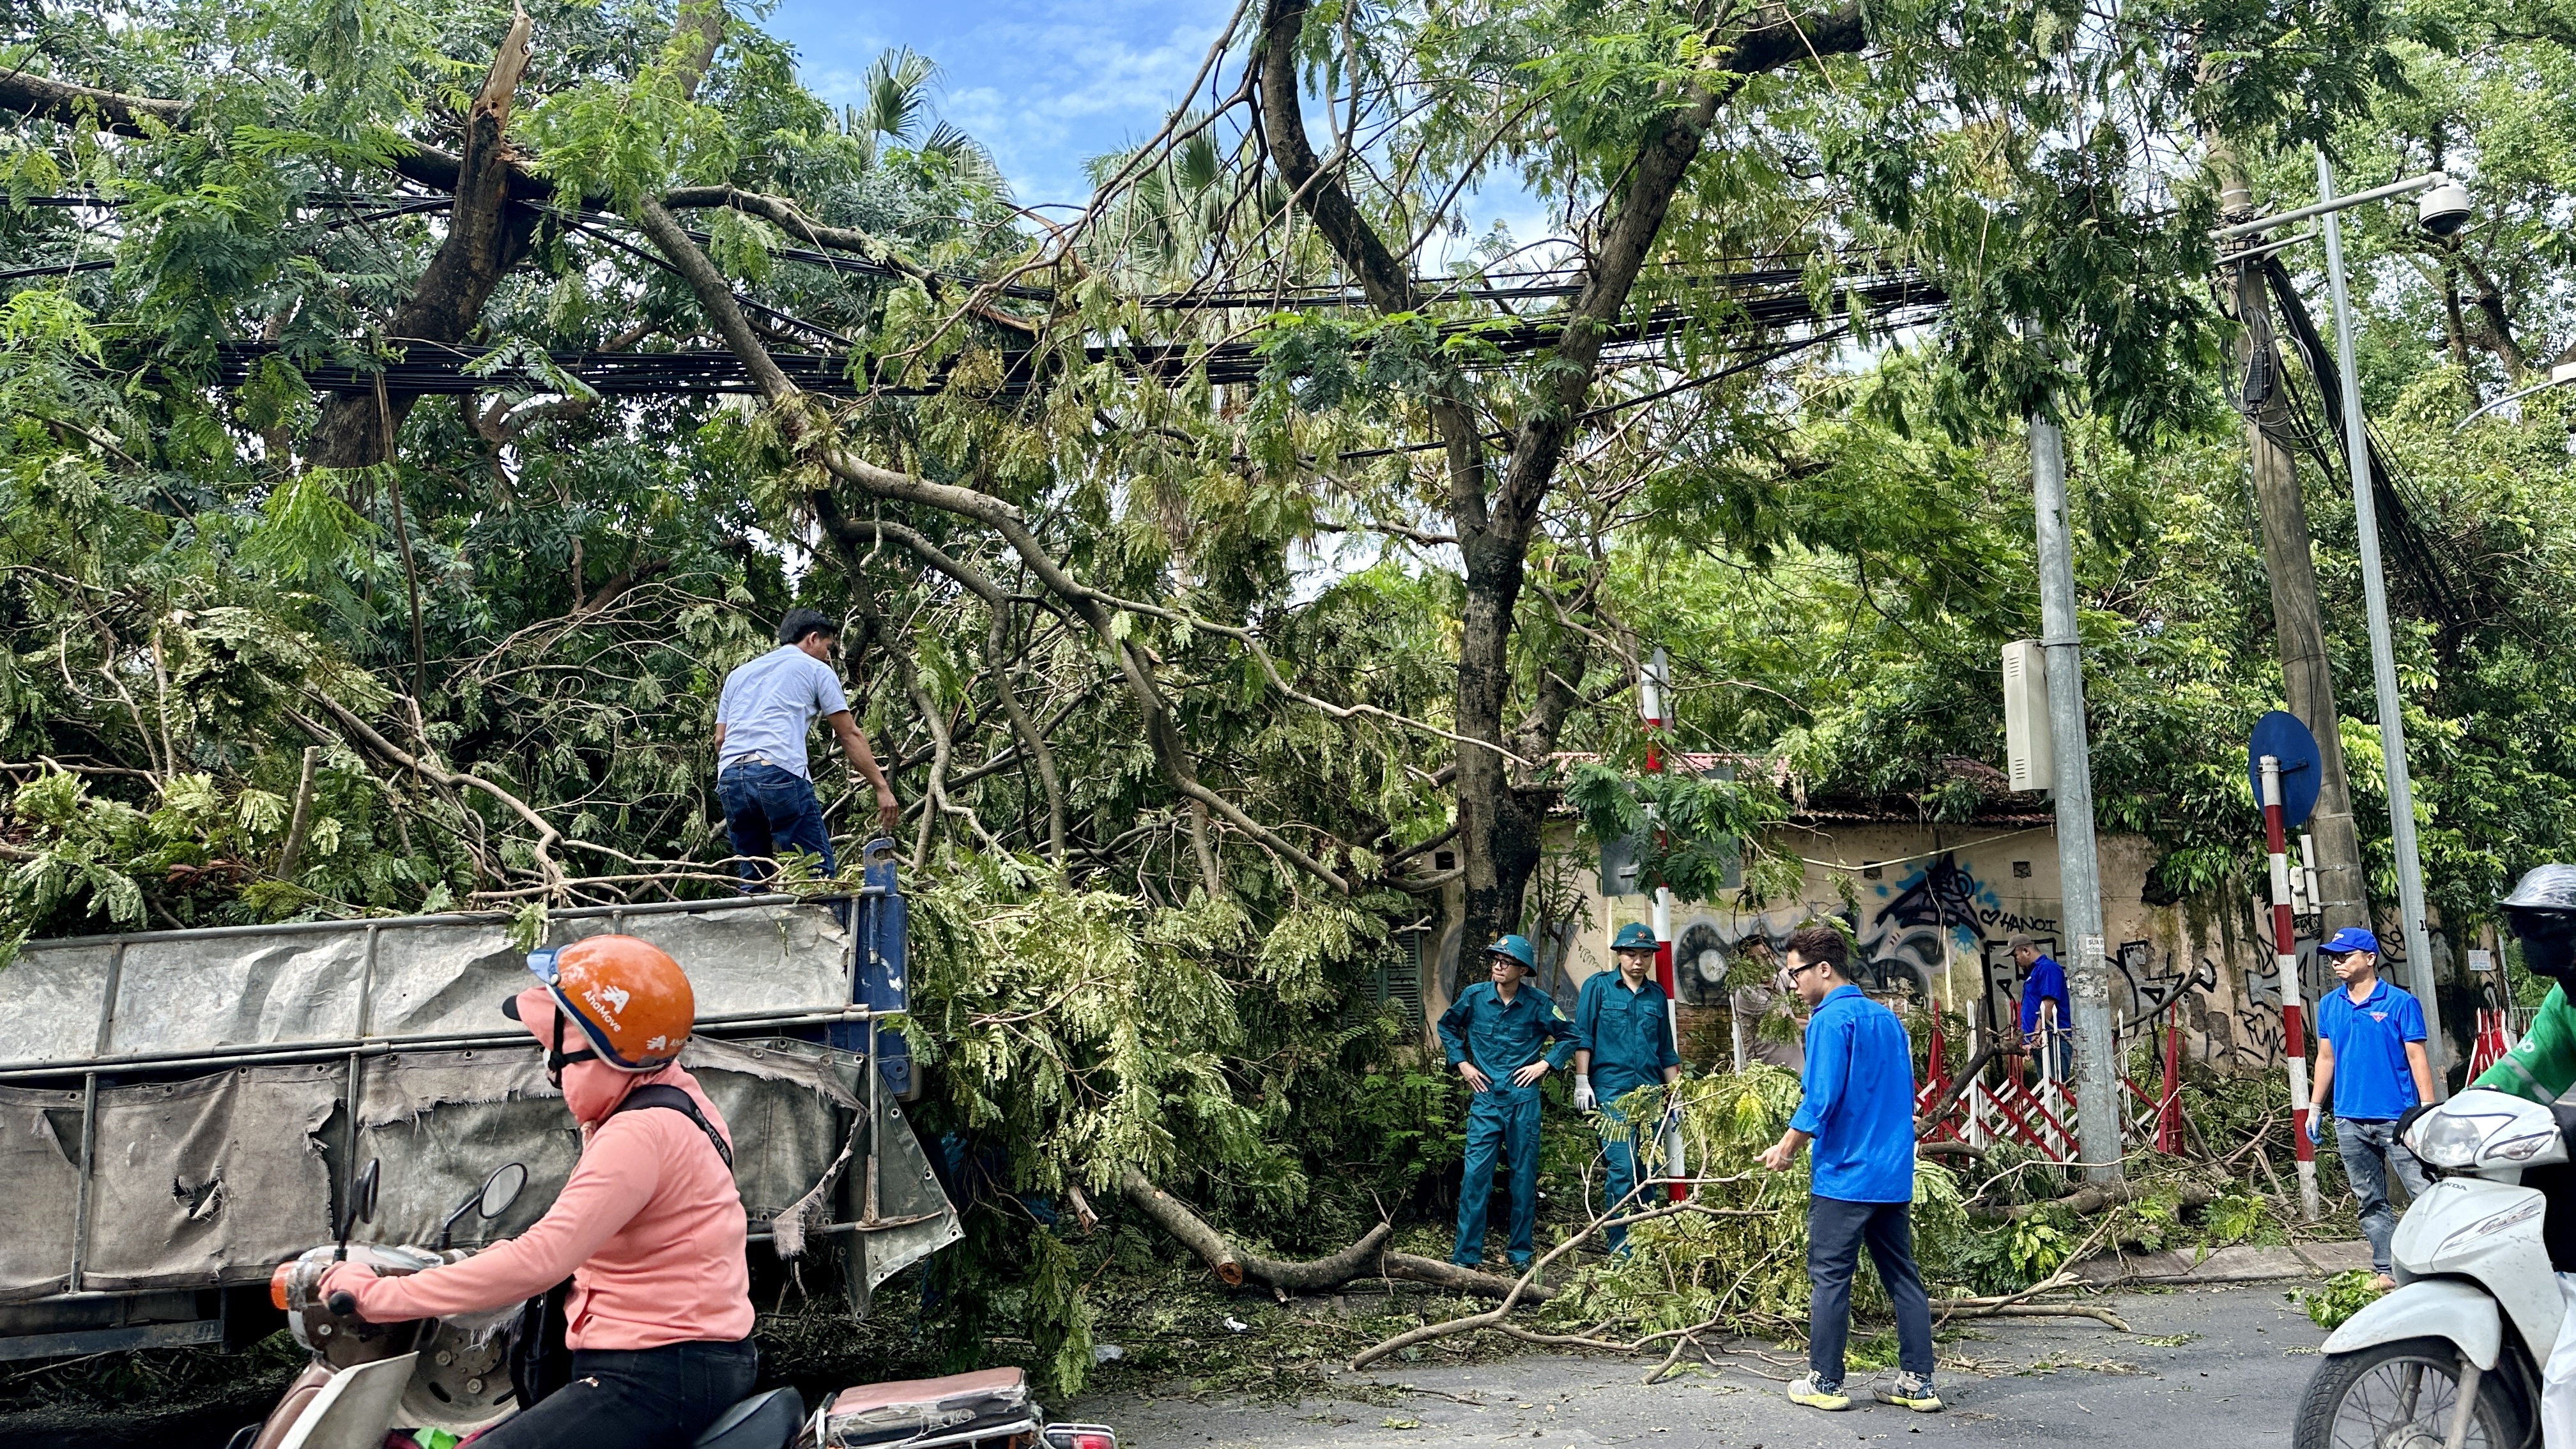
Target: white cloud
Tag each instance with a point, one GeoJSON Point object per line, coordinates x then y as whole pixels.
{"type": "Point", "coordinates": [1044, 85]}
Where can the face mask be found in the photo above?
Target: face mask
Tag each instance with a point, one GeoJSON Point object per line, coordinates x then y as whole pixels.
{"type": "Point", "coordinates": [2548, 943]}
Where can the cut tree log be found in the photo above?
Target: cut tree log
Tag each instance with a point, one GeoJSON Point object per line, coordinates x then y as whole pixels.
{"type": "Point", "coordinates": [2098, 1197]}
{"type": "Point", "coordinates": [1414, 1268]}
{"type": "Point", "coordinates": [1366, 1258]}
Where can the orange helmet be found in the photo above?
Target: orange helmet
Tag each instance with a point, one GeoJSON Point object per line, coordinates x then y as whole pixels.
{"type": "Point", "coordinates": [628, 997]}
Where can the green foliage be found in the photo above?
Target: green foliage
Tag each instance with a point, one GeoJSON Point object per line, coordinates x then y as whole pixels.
{"type": "Point", "coordinates": [2343, 1295]}
{"type": "Point", "coordinates": [541, 593]}
{"type": "Point", "coordinates": [1689, 832]}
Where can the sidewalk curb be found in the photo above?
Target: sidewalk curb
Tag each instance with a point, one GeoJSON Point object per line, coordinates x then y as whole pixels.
{"type": "Point", "coordinates": [2226, 1265]}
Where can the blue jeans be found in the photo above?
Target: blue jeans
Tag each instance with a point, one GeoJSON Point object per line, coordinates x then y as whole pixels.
{"type": "Point", "coordinates": [767, 810]}
{"type": "Point", "coordinates": [1835, 1232]}
{"type": "Point", "coordinates": [1500, 1118]}
{"type": "Point", "coordinates": [2370, 1150]}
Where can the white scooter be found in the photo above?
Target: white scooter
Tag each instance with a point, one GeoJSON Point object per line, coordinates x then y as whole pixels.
{"type": "Point", "coordinates": [2452, 1358]}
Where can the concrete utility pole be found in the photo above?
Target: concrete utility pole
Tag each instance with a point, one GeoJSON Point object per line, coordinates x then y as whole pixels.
{"type": "Point", "coordinates": [2298, 623]}
{"type": "Point", "coordinates": [2088, 964]}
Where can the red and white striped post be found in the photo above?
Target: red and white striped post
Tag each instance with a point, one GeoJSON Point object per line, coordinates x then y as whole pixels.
{"type": "Point", "coordinates": [1651, 684]}
{"type": "Point", "coordinates": [1650, 704]}
{"type": "Point", "coordinates": [2285, 944]}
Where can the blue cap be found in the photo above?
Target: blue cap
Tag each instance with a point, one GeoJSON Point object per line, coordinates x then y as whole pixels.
{"type": "Point", "coordinates": [1634, 936]}
{"type": "Point", "coordinates": [2348, 940]}
{"type": "Point", "coordinates": [1516, 947]}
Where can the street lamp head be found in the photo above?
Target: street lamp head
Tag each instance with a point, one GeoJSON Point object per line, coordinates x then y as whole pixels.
{"type": "Point", "coordinates": [2443, 209]}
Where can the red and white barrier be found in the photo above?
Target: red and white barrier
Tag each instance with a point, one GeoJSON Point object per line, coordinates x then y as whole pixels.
{"type": "Point", "coordinates": [2285, 944]}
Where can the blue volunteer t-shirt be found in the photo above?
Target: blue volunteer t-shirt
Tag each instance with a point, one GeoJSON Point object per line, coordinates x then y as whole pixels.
{"type": "Point", "coordinates": [2372, 1082]}
{"type": "Point", "coordinates": [1859, 1102]}
{"type": "Point", "coordinates": [2047, 983]}
{"type": "Point", "coordinates": [768, 707]}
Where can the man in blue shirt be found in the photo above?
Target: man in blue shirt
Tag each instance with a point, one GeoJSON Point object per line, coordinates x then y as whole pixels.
{"type": "Point", "coordinates": [1623, 1040]}
{"type": "Point", "coordinates": [1859, 1113]}
{"type": "Point", "coordinates": [2045, 1010]}
{"type": "Point", "coordinates": [762, 720]}
{"type": "Point", "coordinates": [2371, 1065]}
{"type": "Point", "coordinates": [1495, 1031]}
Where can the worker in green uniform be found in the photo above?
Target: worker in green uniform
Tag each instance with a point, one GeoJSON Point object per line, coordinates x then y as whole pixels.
{"type": "Point", "coordinates": [1497, 1033]}
{"type": "Point", "coordinates": [2542, 915]}
{"type": "Point", "coordinates": [1623, 1040]}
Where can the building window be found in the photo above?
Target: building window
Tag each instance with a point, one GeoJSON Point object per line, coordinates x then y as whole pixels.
{"type": "Point", "coordinates": [1398, 977]}
{"type": "Point", "coordinates": [1444, 860]}
{"type": "Point", "coordinates": [2021, 870]}
{"type": "Point", "coordinates": [1869, 870]}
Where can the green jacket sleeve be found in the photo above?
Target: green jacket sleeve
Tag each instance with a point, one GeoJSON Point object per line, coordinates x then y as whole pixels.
{"type": "Point", "coordinates": [2543, 1064]}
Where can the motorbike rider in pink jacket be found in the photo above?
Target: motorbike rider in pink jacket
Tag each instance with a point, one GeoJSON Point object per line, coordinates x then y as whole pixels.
{"type": "Point", "coordinates": [649, 1227]}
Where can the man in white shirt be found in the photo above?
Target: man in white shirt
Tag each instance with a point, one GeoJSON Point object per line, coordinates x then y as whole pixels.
{"type": "Point", "coordinates": [763, 719]}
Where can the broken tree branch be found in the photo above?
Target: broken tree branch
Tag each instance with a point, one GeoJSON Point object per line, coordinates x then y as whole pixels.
{"type": "Point", "coordinates": [302, 818]}
{"type": "Point", "coordinates": [804, 429]}
{"type": "Point", "coordinates": [2094, 1198]}
{"type": "Point", "coordinates": [365, 734]}
{"type": "Point", "coordinates": [1174, 1217]}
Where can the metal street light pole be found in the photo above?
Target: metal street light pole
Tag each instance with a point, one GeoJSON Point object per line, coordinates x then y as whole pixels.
{"type": "Point", "coordinates": [2383, 656]}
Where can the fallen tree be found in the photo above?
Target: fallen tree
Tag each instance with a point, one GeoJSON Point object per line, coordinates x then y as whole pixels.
{"type": "Point", "coordinates": [1366, 1258]}
{"type": "Point", "coordinates": [2094, 1198]}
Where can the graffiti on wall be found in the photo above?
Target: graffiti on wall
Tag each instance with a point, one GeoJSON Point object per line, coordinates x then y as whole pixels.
{"type": "Point", "coordinates": [1939, 928]}
{"type": "Point", "coordinates": [1706, 945]}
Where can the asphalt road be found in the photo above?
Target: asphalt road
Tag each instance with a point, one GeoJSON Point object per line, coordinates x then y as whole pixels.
{"type": "Point", "coordinates": [2234, 1379]}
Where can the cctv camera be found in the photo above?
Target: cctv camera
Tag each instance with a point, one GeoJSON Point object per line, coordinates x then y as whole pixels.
{"type": "Point", "coordinates": [2443, 208]}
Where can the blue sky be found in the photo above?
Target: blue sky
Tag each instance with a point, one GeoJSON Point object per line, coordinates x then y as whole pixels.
{"type": "Point", "coordinates": [1044, 83]}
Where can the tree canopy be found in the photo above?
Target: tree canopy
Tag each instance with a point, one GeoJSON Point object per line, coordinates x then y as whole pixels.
{"type": "Point", "coordinates": [413, 410]}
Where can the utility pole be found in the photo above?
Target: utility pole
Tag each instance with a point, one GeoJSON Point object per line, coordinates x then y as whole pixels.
{"type": "Point", "coordinates": [2298, 623]}
{"type": "Point", "coordinates": [2097, 1103]}
{"type": "Point", "coordinates": [2383, 658]}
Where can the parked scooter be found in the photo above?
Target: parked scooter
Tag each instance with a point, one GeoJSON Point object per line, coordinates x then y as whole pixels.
{"type": "Point", "coordinates": [370, 1380]}
{"type": "Point", "coordinates": [2451, 1359]}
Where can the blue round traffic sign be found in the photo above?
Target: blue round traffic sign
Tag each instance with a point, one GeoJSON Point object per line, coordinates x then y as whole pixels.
{"type": "Point", "coordinates": [2281, 735]}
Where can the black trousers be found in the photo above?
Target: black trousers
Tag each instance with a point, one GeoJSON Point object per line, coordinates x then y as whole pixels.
{"type": "Point", "coordinates": [653, 1398]}
{"type": "Point", "coordinates": [1835, 1232]}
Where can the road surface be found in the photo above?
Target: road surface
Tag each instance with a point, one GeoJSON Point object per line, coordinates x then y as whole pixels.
{"type": "Point", "coordinates": [2206, 1367]}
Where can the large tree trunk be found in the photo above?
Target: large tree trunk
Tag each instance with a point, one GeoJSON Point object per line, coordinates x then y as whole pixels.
{"type": "Point", "coordinates": [1499, 825]}
{"type": "Point", "coordinates": [487, 233]}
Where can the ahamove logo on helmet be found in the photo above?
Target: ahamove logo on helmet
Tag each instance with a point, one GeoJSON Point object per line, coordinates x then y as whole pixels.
{"type": "Point", "coordinates": [608, 1001]}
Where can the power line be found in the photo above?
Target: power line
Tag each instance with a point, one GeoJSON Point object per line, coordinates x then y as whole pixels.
{"type": "Point", "coordinates": [428, 368]}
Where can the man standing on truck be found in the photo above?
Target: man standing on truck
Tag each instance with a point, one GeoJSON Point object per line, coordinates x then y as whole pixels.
{"type": "Point", "coordinates": [763, 717]}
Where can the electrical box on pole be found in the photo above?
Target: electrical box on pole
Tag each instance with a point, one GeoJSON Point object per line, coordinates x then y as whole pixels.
{"type": "Point", "coordinates": [2032, 764]}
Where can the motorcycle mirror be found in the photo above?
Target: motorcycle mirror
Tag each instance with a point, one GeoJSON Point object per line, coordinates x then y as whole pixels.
{"type": "Point", "coordinates": [501, 1189]}
{"type": "Point", "coordinates": [362, 1202]}
{"type": "Point", "coordinates": [489, 1201]}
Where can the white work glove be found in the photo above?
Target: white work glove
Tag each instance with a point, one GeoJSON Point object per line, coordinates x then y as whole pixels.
{"type": "Point", "coordinates": [1584, 1101]}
